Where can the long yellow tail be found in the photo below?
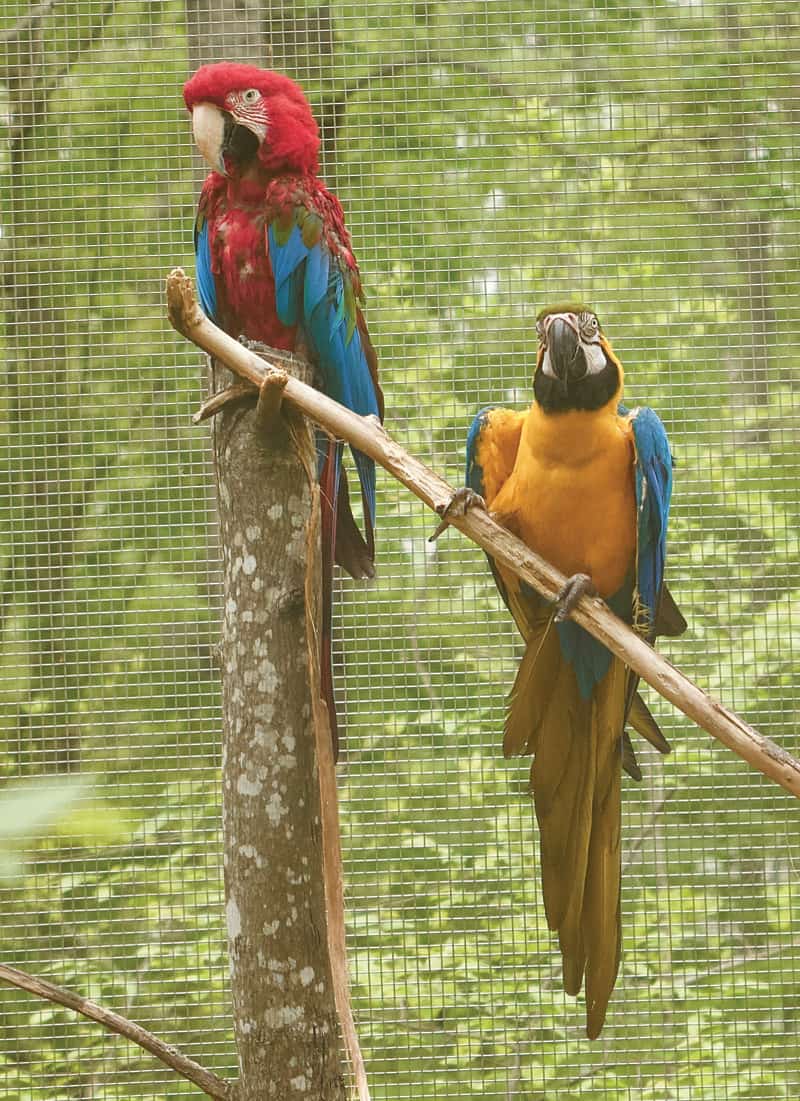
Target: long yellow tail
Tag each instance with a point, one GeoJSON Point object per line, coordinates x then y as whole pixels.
{"type": "Point", "coordinates": [575, 780]}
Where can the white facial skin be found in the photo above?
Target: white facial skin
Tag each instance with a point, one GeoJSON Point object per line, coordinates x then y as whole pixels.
{"type": "Point", "coordinates": [249, 109]}
{"type": "Point", "coordinates": [587, 330]}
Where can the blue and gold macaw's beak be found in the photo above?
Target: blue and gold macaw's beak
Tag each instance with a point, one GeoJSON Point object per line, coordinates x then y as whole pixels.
{"type": "Point", "coordinates": [569, 351]}
{"type": "Point", "coordinates": [575, 368]}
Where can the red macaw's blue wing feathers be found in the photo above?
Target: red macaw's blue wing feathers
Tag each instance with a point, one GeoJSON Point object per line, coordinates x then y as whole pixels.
{"type": "Point", "coordinates": [205, 277]}
{"type": "Point", "coordinates": [314, 288]}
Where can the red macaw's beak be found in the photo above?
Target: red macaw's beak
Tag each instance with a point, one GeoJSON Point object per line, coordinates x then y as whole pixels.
{"type": "Point", "coordinates": [225, 143]}
{"type": "Point", "coordinates": [208, 128]}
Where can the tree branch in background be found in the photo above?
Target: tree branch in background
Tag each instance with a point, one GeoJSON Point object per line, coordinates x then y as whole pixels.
{"type": "Point", "coordinates": [591, 613]}
{"type": "Point", "coordinates": [209, 1083]}
{"type": "Point", "coordinates": [12, 37]}
{"type": "Point", "coordinates": [647, 830]}
{"type": "Point", "coordinates": [36, 329]}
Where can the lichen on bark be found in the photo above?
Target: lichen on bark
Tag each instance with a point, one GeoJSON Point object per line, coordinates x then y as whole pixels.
{"type": "Point", "coordinates": [283, 998]}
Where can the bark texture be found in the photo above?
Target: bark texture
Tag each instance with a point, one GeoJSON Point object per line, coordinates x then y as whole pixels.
{"type": "Point", "coordinates": [283, 995]}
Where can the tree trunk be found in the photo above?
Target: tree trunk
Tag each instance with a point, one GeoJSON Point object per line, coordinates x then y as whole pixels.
{"type": "Point", "coordinates": [281, 982]}
{"type": "Point", "coordinates": [226, 30]}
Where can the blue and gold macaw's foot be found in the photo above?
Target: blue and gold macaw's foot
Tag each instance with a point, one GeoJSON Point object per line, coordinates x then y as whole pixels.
{"type": "Point", "coordinates": [580, 584]}
{"type": "Point", "coordinates": [462, 500]}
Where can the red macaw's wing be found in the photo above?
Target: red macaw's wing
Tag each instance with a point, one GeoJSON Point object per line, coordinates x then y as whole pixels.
{"type": "Point", "coordinates": [316, 287]}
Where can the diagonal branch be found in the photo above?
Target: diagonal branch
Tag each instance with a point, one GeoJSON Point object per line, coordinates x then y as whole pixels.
{"type": "Point", "coordinates": [367, 434]}
{"type": "Point", "coordinates": [209, 1083]}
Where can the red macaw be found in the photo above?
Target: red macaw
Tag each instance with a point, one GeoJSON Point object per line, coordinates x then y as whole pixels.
{"type": "Point", "coordinates": [275, 264]}
{"type": "Point", "coordinates": [586, 484]}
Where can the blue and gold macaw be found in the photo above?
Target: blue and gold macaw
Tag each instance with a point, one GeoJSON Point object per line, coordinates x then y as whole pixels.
{"type": "Point", "coordinates": [586, 484]}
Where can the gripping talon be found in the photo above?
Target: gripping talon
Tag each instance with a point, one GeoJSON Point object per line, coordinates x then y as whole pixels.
{"type": "Point", "coordinates": [462, 500]}
{"type": "Point", "coordinates": [575, 587]}
{"type": "Point", "coordinates": [270, 398]}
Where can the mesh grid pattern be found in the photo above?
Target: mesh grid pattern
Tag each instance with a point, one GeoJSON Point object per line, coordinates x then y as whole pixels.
{"type": "Point", "coordinates": [493, 157]}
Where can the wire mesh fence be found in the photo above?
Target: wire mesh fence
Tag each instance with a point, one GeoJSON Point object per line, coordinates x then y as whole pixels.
{"type": "Point", "coordinates": [493, 157]}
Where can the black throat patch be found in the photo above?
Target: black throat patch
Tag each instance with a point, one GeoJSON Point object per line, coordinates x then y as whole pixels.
{"type": "Point", "coordinates": [590, 392]}
{"type": "Point", "coordinates": [238, 143]}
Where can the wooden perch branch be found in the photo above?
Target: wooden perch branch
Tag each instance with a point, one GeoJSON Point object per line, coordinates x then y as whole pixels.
{"type": "Point", "coordinates": [591, 613]}
{"type": "Point", "coordinates": [169, 1055]}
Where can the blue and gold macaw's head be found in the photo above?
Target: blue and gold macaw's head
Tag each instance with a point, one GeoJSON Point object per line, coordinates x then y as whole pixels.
{"type": "Point", "coordinates": [576, 367]}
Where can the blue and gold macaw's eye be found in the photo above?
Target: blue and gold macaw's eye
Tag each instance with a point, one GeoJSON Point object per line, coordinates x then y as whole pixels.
{"type": "Point", "coordinates": [589, 325]}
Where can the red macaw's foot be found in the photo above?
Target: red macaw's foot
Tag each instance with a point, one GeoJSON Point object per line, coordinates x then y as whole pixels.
{"type": "Point", "coordinates": [270, 397]}
{"type": "Point", "coordinates": [462, 500]}
{"type": "Point", "coordinates": [580, 584]}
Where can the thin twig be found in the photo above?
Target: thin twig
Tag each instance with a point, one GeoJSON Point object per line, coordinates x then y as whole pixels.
{"type": "Point", "coordinates": [648, 830]}
{"type": "Point", "coordinates": [369, 436]}
{"type": "Point", "coordinates": [733, 963]}
{"type": "Point", "coordinates": [238, 391]}
{"type": "Point", "coordinates": [209, 1083]}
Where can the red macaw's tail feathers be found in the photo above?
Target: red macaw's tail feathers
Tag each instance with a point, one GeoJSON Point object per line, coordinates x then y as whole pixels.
{"type": "Point", "coordinates": [343, 543]}
{"type": "Point", "coordinates": [354, 553]}
{"type": "Point", "coordinates": [328, 485]}
{"type": "Point", "coordinates": [575, 781]}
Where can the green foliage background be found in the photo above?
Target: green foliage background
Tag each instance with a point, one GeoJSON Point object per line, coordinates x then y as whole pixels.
{"type": "Point", "coordinates": [493, 156]}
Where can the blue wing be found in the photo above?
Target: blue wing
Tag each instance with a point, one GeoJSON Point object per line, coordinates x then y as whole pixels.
{"type": "Point", "coordinates": [653, 492]}
{"type": "Point", "coordinates": [474, 473]}
{"type": "Point", "coordinates": [205, 277]}
{"type": "Point", "coordinates": [312, 290]}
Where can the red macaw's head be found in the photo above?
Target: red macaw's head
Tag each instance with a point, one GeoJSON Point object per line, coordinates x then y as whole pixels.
{"type": "Point", "coordinates": [576, 367]}
{"type": "Point", "coordinates": [241, 113]}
